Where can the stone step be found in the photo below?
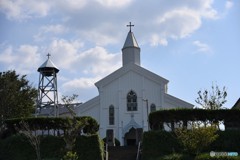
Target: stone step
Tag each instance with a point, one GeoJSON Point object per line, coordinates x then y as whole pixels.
{"type": "Point", "coordinates": [122, 153]}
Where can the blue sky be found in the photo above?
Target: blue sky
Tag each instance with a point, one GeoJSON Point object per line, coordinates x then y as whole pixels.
{"type": "Point", "coordinates": [191, 43]}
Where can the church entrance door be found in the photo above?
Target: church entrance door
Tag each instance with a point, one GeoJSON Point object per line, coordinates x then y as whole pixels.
{"type": "Point", "coordinates": [133, 137]}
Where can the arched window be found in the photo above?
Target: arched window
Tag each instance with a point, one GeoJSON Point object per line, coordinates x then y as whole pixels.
{"type": "Point", "coordinates": [131, 101]}
{"type": "Point", "coordinates": [152, 108]}
{"type": "Point", "coordinates": [111, 115]}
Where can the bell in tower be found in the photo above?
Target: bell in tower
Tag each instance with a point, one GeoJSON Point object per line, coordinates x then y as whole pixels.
{"type": "Point", "coordinates": [47, 88]}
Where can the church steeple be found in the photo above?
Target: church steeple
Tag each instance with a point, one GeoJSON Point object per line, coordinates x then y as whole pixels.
{"type": "Point", "coordinates": [130, 50]}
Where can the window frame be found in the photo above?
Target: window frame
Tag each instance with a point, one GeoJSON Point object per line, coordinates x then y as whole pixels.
{"type": "Point", "coordinates": [132, 104]}
{"type": "Point", "coordinates": [153, 108]}
{"type": "Point", "coordinates": [111, 115]}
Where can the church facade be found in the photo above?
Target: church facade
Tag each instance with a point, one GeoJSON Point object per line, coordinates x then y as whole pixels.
{"type": "Point", "coordinates": [127, 96]}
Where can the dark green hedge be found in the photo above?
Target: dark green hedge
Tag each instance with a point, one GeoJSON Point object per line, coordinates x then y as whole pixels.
{"type": "Point", "coordinates": [231, 118]}
{"type": "Point", "coordinates": [52, 147]}
{"type": "Point", "coordinates": [208, 157]}
{"type": "Point", "coordinates": [205, 156]}
{"type": "Point", "coordinates": [160, 143]}
{"type": "Point", "coordinates": [228, 141]}
{"type": "Point", "coordinates": [89, 125]}
{"type": "Point", "coordinates": [17, 147]}
{"type": "Point", "coordinates": [90, 148]}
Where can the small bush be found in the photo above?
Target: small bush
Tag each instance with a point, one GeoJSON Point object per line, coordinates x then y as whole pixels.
{"type": "Point", "coordinates": [207, 156]}
{"type": "Point", "coordinates": [196, 139]}
{"type": "Point", "coordinates": [70, 156]}
{"type": "Point", "coordinates": [176, 156]}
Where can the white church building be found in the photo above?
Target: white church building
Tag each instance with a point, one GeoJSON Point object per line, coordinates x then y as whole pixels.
{"type": "Point", "coordinates": [127, 96]}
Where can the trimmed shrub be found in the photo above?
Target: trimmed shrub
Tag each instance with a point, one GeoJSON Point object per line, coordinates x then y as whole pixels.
{"type": "Point", "coordinates": [159, 143]}
{"type": "Point", "coordinates": [89, 125]}
{"type": "Point", "coordinates": [52, 147]}
{"type": "Point", "coordinates": [17, 147]}
{"type": "Point", "coordinates": [228, 141]}
{"type": "Point", "coordinates": [231, 117]}
{"type": "Point", "coordinates": [89, 147]}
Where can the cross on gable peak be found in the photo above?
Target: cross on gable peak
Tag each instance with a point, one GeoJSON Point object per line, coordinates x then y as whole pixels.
{"type": "Point", "coordinates": [130, 25]}
{"type": "Point", "coordinates": [48, 55]}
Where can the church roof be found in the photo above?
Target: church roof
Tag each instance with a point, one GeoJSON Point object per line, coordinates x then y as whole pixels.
{"type": "Point", "coordinates": [130, 41]}
{"type": "Point", "coordinates": [48, 64]}
{"type": "Point", "coordinates": [237, 104]}
{"type": "Point", "coordinates": [131, 67]}
{"type": "Point", "coordinates": [172, 100]}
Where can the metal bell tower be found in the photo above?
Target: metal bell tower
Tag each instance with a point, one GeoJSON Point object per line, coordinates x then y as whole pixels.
{"type": "Point", "coordinates": [47, 88]}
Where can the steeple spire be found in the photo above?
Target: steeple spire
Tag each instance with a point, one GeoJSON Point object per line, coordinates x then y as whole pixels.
{"type": "Point", "coordinates": [130, 50]}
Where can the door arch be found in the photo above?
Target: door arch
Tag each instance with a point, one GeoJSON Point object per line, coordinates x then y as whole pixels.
{"type": "Point", "coordinates": [133, 136]}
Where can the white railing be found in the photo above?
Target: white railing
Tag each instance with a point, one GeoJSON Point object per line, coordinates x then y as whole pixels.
{"type": "Point", "coordinates": [106, 151]}
{"type": "Point", "coordinates": [138, 151]}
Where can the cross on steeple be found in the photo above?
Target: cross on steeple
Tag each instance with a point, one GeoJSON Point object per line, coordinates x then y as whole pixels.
{"type": "Point", "coordinates": [130, 25]}
{"type": "Point", "coordinates": [48, 55]}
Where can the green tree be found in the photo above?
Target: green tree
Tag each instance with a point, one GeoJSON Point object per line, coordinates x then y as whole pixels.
{"type": "Point", "coordinates": [197, 138]}
{"type": "Point", "coordinates": [68, 101]}
{"type": "Point", "coordinates": [17, 96]}
{"type": "Point", "coordinates": [213, 99]}
{"type": "Point", "coordinates": [33, 139]}
{"type": "Point", "coordinates": [74, 128]}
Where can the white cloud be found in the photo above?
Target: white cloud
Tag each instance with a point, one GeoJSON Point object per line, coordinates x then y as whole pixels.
{"type": "Point", "coordinates": [100, 38]}
{"type": "Point", "coordinates": [67, 55]}
{"type": "Point", "coordinates": [202, 47]}
{"type": "Point", "coordinates": [65, 52]}
{"type": "Point", "coordinates": [99, 21]}
{"type": "Point", "coordinates": [80, 83]}
{"type": "Point", "coordinates": [97, 61]}
{"type": "Point", "coordinates": [179, 23]}
{"type": "Point", "coordinates": [173, 20]}
{"type": "Point", "coordinates": [70, 55]}
{"type": "Point", "coordinates": [22, 59]}
{"type": "Point", "coordinates": [90, 66]}
{"type": "Point", "coordinates": [156, 40]}
{"type": "Point", "coordinates": [47, 31]}
{"type": "Point", "coordinates": [57, 29]}
{"type": "Point", "coordinates": [23, 9]}
{"type": "Point", "coordinates": [228, 4]}
{"type": "Point", "coordinates": [206, 10]}
{"type": "Point", "coordinates": [71, 5]}
{"type": "Point", "coordinates": [114, 3]}
{"type": "Point", "coordinates": [7, 55]}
